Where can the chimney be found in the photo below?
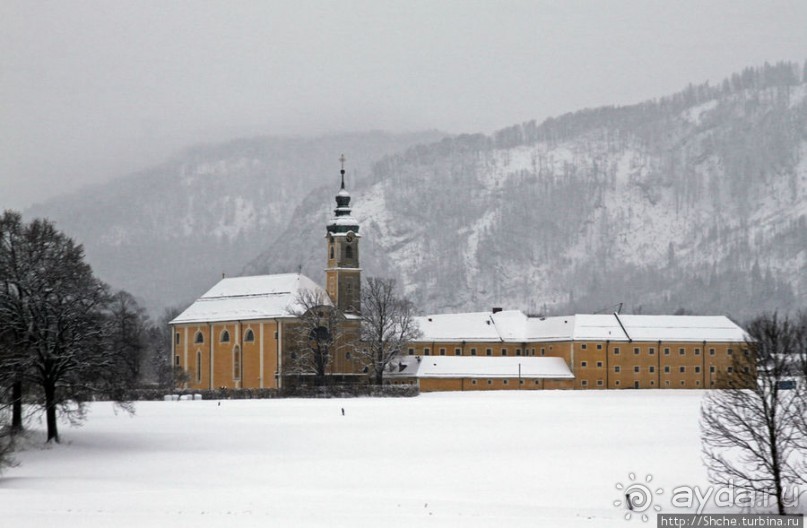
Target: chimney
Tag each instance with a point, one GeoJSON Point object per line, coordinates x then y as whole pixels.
{"type": "Point", "coordinates": [496, 309]}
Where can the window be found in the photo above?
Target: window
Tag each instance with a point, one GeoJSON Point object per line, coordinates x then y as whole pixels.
{"type": "Point", "coordinates": [730, 370]}
{"type": "Point", "coordinates": [176, 339]}
{"type": "Point", "coordinates": [490, 382]}
{"type": "Point", "coordinates": [636, 385]}
{"type": "Point", "coordinates": [473, 382]}
{"type": "Point", "coordinates": [473, 351]}
{"type": "Point", "coordinates": [518, 351]}
{"type": "Point", "coordinates": [584, 364]}
{"type": "Point", "coordinates": [697, 351]}
{"type": "Point", "coordinates": [347, 355]}
{"type": "Point", "coordinates": [442, 351]}
{"type": "Point", "coordinates": [599, 364]}
{"type": "Point", "coordinates": [711, 351]}
{"type": "Point", "coordinates": [682, 383]}
{"type": "Point", "coordinates": [697, 369]}
{"type": "Point", "coordinates": [616, 351]}
{"type": "Point", "coordinates": [505, 382]}
{"type": "Point", "coordinates": [711, 368]}
{"type": "Point", "coordinates": [537, 382]}
{"type": "Point", "coordinates": [583, 346]}
{"type": "Point", "coordinates": [199, 338]}
{"type": "Point", "coordinates": [504, 351]}
{"type": "Point", "coordinates": [294, 355]}
{"type": "Point", "coordinates": [667, 383]}
{"type": "Point", "coordinates": [599, 347]}
{"type": "Point", "coordinates": [225, 337]}
{"type": "Point", "coordinates": [667, 369]}
{"type": "Point", "coordinates": [176, 360]}
{"type": "Point", "coordinates": [636, 369]}
{"type": "Point", "coordinates": [584, 383]}
{"type": "Point", "coordinates": [543, 351]}
{"type": "Point", "coordinates": [236, 363]}
{"type": "Point", "coordinates": [681, 351]}
{"type": "Point", "coordinates": [249, 337]}
{"type": "Point", "coordinates": [617, 383]}
{"type": "Point", "coordinates": [198, 366]}
{"type": "Point", "coordinates": [617, 368]}
{"type": "Point", "coordinates": [426, 351]}
{"type": "Point", "coordinates": [488, 352]}
{"type": "Point", "coordinates": [682, 369]}
{"type": "Point", "coordinates": [599, 383]}
{"type": "Point", "coordinates": [651, 368]}
{"type": "Point", "coordinates": [521, 382]}
{"type": "Point", "coordinates": [457, 351]}
{"type": "Point", "coordinates": [349, 252]}
{"type": "Point", "coordinates": [729, 351]}
{"type": "Point", "coordinates": [331, 250]}
{"type": "Point", "coordinates": [636, 351]}
{"type": "Point", "coordinates": [666, 351]}
{"type": "Point", "coordinates": [651, 351]}
{"type": "Point", "coordinates": [411, 351]}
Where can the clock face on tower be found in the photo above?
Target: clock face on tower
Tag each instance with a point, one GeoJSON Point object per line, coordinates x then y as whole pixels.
{"type": "Point", "coordinates": [349, 237]}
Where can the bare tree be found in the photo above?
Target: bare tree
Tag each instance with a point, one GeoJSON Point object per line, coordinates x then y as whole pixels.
{"type": "Point", "coordinates": [61, 324]}
{"type": "Point", "coordinates": [318, 334]}
{"type": "Point", "coordinates": [754, 431]}
{"type": "Point", "coordinates": [387, 325]}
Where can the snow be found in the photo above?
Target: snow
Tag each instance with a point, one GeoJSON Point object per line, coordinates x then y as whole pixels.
{"type": "Point", "coordinates": [538, 458]}
{"type": "Point", "coordinates": [248, 298]}
{"type": "Point", "coordinates": [487, 367]}
{"type": "Point", "coordinates": [515, 326]}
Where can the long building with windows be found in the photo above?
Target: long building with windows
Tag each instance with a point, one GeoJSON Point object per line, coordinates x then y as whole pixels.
{"type": "Point", "coordinates": [602, 351]}
{"type": "Point", "coordinates": [237, 336]}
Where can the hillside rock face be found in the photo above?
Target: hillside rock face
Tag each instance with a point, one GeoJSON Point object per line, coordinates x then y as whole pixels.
{"type": "Point", "coordinates": [167, 234]}
{"type": "Point", "coordinates": [696, 202]}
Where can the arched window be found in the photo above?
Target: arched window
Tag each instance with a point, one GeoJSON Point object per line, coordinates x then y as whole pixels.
{"type": "Point", "coordinates": [199, 338]}
{"type": "Point", "coordinates": [225, 337]}
{"type": "Point", "coordinates": [198, 366]}
{"type": "Point", "coordinates": [249, 336]}
{"type": "Point", "coordinates": [331, 250]}
{"type": "Point", "coordinates": [348, 252]}
{"type": "Point", "coordinates": [236, 363]}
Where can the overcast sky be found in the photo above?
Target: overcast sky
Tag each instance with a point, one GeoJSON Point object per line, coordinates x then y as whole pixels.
{"type": "Point", "coordinates": [90, 90]}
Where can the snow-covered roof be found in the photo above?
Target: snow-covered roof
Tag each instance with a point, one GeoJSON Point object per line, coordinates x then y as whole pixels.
{"type": "Point", "coordinates": [478, 367]}
{"type": "Point", "coordinates": [246, 298]}
{"type": "Point", "coordinates": [515, 326]}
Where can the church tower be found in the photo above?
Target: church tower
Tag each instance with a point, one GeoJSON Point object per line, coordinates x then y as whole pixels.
{"type": "Point", "coordinates": [343, 274]}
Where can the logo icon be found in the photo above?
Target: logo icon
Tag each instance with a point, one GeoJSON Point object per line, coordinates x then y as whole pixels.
{"type": "Point", "coordinates": [637, 497]}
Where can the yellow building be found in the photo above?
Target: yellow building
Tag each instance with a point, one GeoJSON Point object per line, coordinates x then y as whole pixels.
{"type": "Point", "coordinates": [239, 333]}
{"type": "Point", "coordinates": [603, 351]}
{"type": "Point", "coordinates": [237, 336]}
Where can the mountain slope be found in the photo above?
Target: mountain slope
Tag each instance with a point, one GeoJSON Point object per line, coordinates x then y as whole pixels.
{"type": "Point", "coordinates": [696, 202]}
{"type": "Point", "coordinates": [167, 234]}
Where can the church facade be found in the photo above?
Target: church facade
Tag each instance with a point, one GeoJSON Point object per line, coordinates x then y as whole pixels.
{"type": "Point", "coordinates": [239, 335]}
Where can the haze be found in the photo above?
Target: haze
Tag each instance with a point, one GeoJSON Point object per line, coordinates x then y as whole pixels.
{"type": "Point", "coordinates": [93, 90]}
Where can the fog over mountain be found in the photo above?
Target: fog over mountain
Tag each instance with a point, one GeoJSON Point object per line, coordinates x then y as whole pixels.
{"type": "Point", "coordinates": [168, 233]}
{"type": "Point", "coordinates": [695, 201]}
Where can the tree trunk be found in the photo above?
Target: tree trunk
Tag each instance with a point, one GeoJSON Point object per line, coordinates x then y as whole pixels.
{"type": "Point", "coordinates": [16, 407]}
{"type": "Point", "coordinates": [50, 412]}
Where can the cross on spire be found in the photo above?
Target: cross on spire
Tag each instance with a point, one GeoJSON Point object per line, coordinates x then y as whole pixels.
{"type": "Point", "coordinates": [342, 160]}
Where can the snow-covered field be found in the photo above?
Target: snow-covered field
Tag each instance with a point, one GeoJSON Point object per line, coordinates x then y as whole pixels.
{"type": "Point", "coordinates": [473, 459]}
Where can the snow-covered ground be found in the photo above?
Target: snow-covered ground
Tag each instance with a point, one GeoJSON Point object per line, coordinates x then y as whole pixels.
{"type": "Point", "coordinates": [548, 458]}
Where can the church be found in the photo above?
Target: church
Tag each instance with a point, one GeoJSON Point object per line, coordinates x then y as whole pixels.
{"type": "Point", "coordinates": [240, 334]}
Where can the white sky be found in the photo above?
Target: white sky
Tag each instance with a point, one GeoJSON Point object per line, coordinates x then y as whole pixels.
{"type": "Point", "coordinates": [90, 90]}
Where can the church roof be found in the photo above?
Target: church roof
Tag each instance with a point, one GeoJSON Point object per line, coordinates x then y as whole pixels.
{"type": "Point", "coordinates": [248, 298]}
{"type": "Point", "coordinates": [515, 326]}
{"type": "Point", "coordinates": [481, 367]}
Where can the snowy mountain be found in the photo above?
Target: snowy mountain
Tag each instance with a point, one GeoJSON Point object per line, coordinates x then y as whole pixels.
{"type": "Point", "coordinates": [168, 233]}
{"type": "Point", "coordinates": [695, 202]}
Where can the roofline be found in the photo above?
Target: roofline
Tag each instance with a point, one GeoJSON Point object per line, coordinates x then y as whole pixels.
{"type": "Point", "coordinates": [174, 322]}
